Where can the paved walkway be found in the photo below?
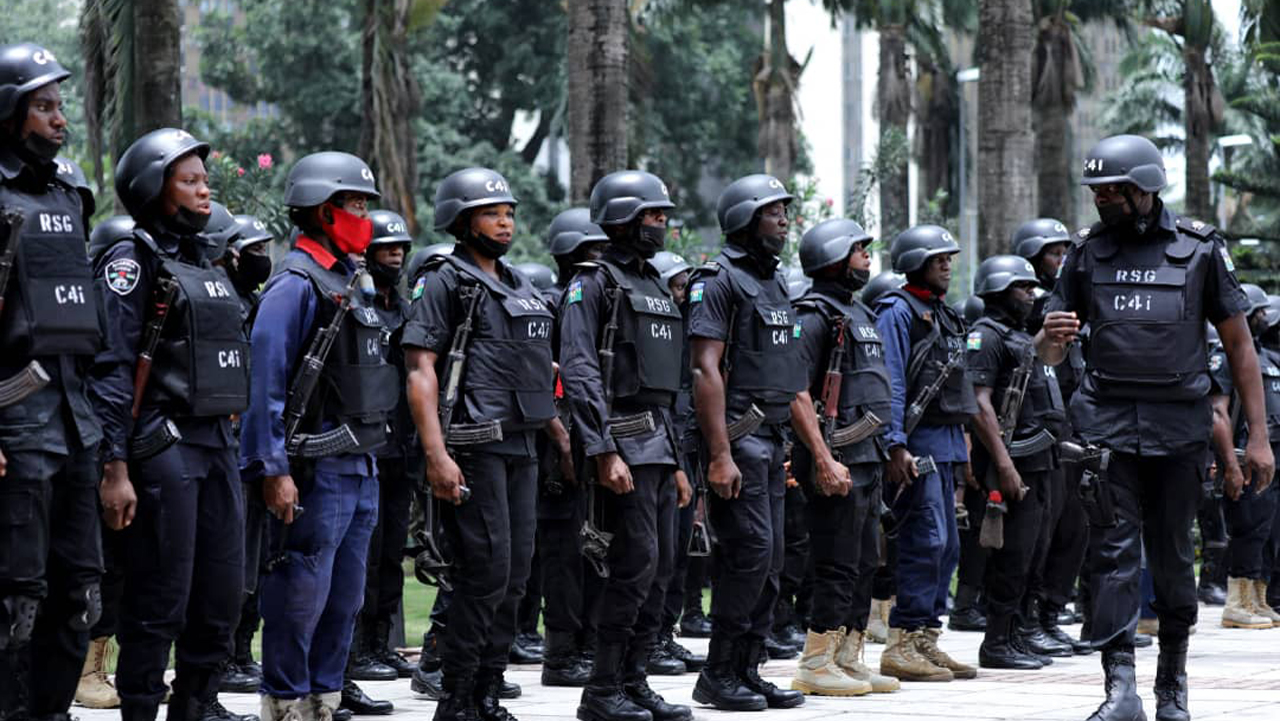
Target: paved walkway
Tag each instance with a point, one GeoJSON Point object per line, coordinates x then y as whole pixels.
{"type": "Point", "coordinates": [1233, 674]}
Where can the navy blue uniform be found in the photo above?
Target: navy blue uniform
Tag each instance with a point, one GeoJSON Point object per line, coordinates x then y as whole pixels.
{"type": "Point", "coordinates": [1145, 395]}
{"type": "Point", "coordinates": [310, 600]}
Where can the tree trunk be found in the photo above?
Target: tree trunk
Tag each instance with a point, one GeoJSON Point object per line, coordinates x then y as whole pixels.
{"type": "Point", "coordinates": [1055, 78]}
{"type": "Point", "coordinates": [368, 40]}
{"type": "Point", "coordinates": [893, 104]}
{"type": "Point", "coordinates": [936, 117]}
{"type": "Point", "coordinates": [776, 79]}
{"type": "Point", "coordinates": [157, 67]}
{"type": "Point", "coordinates": [1198, 91]}
{"type": "Point", "coordinates": [396, 99]}
{"type": "Point", "coordinates": [1006, 145]}
{"type": "Point", "coordinates": [597, 92]}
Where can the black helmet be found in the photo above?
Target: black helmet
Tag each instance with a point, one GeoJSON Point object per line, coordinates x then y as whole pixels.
{"type": "Point", "coordinates": [669, 265]}
{"type": "Point", "coordinates": [542, 277]}
{"type": "Point", "coordinates": [881, 284]}
{"type": "Point", "coordinates": [570, 230]}
{"type": "Point", "coordinates": [618, 198]}
{"type": "Point", "coordinates": [389, 228]}
{"type": "Point", "coordinates": [740, 201]}
{"type": "Point", "coordinates": [140, 172]}
{"type": "Point", "coordinates": [1273, 312]}
{"type": "Point", "coordinates": [1257, 297]}
{"type": "Point", "coordinates": [23, 68]}
{"type": "Point", "coordinates": [420, 256]}
{"type": "Point", "coordinates": [999, 272]}
{"type": "Point", "coordinates": [1032, 236]}
{"type": "Point", "coordinates": [470, 188]}
{"type": "Point", "coordinates": [1125, 159]}
{"type": "Point", "coordinates": [829, 242]}
{"type": "Point", "coordinates": [69, 171]}
{"type": "Point", "coordinates": [221, 229]}
{"type": "Point", "coordinates": [318, 176]}
{"type": "Point", "coordinates": [251, 231]}
{"type": "Point", "coordinates": [108, 233]}
{"type": "Point", "coordinates": [915, 246]}
{"type": "Point", "coordinates": [971, 308]}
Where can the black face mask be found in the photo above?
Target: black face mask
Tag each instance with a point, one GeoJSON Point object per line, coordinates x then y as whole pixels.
{"type": "Point", "coordinates": [252, 270]}
{"type": "Point", "coordinates": [649, 239]}
{"type": "Point", "coordinates": [41, 148]}
{"type": "Point", "coordinates": [1018, 311]}
{"type": "Point", "coordinates": [855, 279]}
{"type": "Point", "coordinates": [486, 246]}
{"type": "Point", "coordinates": [185, 221]}
{"type": "Point", "coordinates": [384, 275]}
{"type": "Point", "coordinates": [1114, 214]}
{"type": "Point", "coordinates": [772, 244]}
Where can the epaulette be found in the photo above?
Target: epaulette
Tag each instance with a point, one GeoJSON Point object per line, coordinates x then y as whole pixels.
{"type": "Point", "coordinates": [587, 264]}
{"type": "Point", "coordinates": [710, 266]}
{"type": "Point", "coordinates": [1195, 228]}
{"type": "Point", "coordinates": [1087, 232]}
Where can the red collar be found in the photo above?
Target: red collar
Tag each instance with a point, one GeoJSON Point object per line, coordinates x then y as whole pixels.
{"type": "Point", "coordinates": [318, 252]}
{"type": "Point", "coordinates": [923, 294]}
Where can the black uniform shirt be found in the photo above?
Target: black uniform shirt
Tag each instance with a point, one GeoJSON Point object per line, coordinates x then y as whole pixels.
{"type": "Point", "coordinates": [1134, 426]}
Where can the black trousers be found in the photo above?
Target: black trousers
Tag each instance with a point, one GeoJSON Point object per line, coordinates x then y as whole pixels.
{"type": "Point", "coordinates": [749, 532]}
{"type": "Point", "coordinates": [795, 558]}
{"type": "Point", "coordinates": [676, 587]}
{"type": "Point", "coordinates": [184, 569]}
{"type": "Point", "coordinates": [884, 584]}
{"type": "Point", "coordinates": [1068, 544]}
{"type": "Point", "coordinates": [973, 557]}
{"type": "Point", "coordinates": [50, 550]}
{"type": "Point", "coordinates": [1249, 523]}
{"type": "Point", "coordinates": [384, 577]}
{"type": "Point", "coordinates": [491, 539]}
{"type": "Point", "coordinates": [1155, 500]}
{"type": "Point", "coordinates": [560, 519]}
{"type": "Point", "coordinates": [844, 549]}
{"type": "Point", "coordinates": [1008, 569]}
{"type": "Point", "coordinates": [641, 555]}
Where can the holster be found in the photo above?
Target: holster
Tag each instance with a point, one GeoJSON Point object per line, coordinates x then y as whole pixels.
{"type": "Point", "coordinates": [856, 432]}
{"type": "Point", "coordinates": [745, 424]}
{"type": "Point", "coordinates": [334, 442]}
{"type": "Point", "coordinates": [23, 383]}
{"type": "Point", "coordinates": [142, 447]}
{"type": "Point", "coordinates": [470, 434]}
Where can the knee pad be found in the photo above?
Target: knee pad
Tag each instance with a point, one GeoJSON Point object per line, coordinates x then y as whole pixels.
{"type": "Point", "coordinates": [17, 619]}
{"type": "Point", "coordinates": [85, 604]}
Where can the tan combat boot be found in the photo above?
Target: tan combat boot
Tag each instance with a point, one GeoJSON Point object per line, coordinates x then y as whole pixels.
{"type": "Point", "coordinates": [901, 659]}
{"type": "Point", "coordinates": [324, 704]}
{"type": "Point", "coordinates": [927, 645]}
{"type": "Point", "coordinates": [1260, 605]}
{"type": "Point", "coordinates": [850, 659]}
{"type": "Point", "coordinates": [817, 673]}
{"type": "Point", "coordinates": [287, 709]}
{"type": "Point", "coordinates": [1238, 612]}
{"type": "Point", "coordinates": [95, 689]}
{"type": "Point", "coordinates": [878, 623]}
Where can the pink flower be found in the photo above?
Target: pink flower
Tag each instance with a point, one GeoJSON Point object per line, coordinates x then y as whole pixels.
{"type": "Point", "coordinates": [264, 161]}
{"type": "Point", "coordinates": [215, 154]}
{"type": "Point", "coordinates": [830, 202]}
{"type": "Point", "coordinates": [239, 171]}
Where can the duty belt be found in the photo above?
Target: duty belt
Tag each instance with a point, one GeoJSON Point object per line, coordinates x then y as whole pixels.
{"type": "Point", "coordinates": [335, 442]}
{"type": "Point", "coordinates": [858, 431]}
{"type": "Point", "coordinates": [23, 383]}
{"type": "Point", "coordinates": [636, 424]}
{"type": "Point", "coordinates": [470, 434]}
{"type": "Point", "coordinates": [153, 444]}
{"type": "Point", "coordinates": [746, 424]}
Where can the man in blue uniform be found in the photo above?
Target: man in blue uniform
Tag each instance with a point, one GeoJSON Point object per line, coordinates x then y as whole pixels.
{"type": "Point", "coordinates": [1146, 280]}
{"type": "Point", "coordinates": [50, 551]}
{"type": "Point", "coordinates": [314, 450]}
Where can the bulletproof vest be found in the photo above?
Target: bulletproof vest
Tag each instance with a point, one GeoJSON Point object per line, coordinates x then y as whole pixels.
{"type": "Point", "coordinates": [648, 343]}
{"type": "Point", "coordinates": [357, 386]}
{"type": "Point", "coordinates": [1270, 362]}
{"type": "Point", "coordinates": [508, 376]}
{"type": "Point", "coordinates": [201, 362]}
{"type": "Point", "coordinates": [864, 384]}
{"type": "Point", "coordinates": [762, 353]}
{"type": "Point", "coordinates": [1042, 406]}
{"type": "Point", "coordinates": [1147, 324]}
{"type": "Point", "coordinates": [50, 307]}
{"type": "Point", "coordinates": [937, 332]}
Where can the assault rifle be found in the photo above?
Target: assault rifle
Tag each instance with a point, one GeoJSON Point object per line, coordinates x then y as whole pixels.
{"type": "Point", "coordinates": [33, 377]}
{"type": "Point", "coordinates": [459, 434]}
{"type": "Point", "coordinates": [992, 533]}
{"type": "Point", "coordinates": [595, 542]}
{"type": "Point", "coordinates": [162, 299]}
{"type": "Point", "coordinates": [911, 417]}
{"type": "Point", "coordinates": [829, 404]}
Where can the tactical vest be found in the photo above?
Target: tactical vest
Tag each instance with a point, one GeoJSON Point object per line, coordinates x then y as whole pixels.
{"type": "Point", "coordinates": [1270, 362]}
{"type": "Point", "coordinates": [937, 332]}
{"type": "Point", "coordinates": [864, 382]}
{"type": "Point", "coordinates": [762, 355]}
{"type": "Point", "coordinates": [50, 306]}
{"type": "Point", "coordinates": [648, 343]}
{"type": "Point", "coordinates": [357, 386]}
{"type": "Point", "coordinates": [1042, 406]}
{"type": "Point", "coordinates": [508, 377]}
{"type": "Point", "coordinates": [1147, 325]}
{"type": "Point", "coordinates": [201, 363]}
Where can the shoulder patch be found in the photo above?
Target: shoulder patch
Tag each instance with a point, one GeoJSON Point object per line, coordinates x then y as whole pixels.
{"type": "Point", "coordinates": [795, 330]}
{"type": "Point", "coordinates": [574, 294]}
{"type": "Point", "coordinates": [122, 275]}
{"type": "Point", "coordinates": [974, 341]}
{"type": "Point", "coordinates": [1215, 362]}
{"type": "Point", "coordinates": [1226, 258]}
{"type": "Point", "coordinates": [695, 292]}
{"type": "Point", "coordinates": [418, 287]}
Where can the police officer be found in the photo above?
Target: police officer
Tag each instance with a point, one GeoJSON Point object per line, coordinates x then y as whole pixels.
{"type": "Point", "coordinates": [315, 451]}
{"type": "Point", "coordinates": [171, 455]}
{"type": "Point", "coordinates": [617, 306]}
{"type": "Point", "coordinates": [50, 550]}
{"type": "Point", "coordinates": [488, 452]}
{"type": "Point", "coordinates": [249, 264]}
{"type": "Point", "coordinates": [1249, 513]}
{"type": "Point", "coordinates": [924, 338]}
{"type": "Point", "coordinates": [1146, 280]}
{"type": "Point", "coordinates": [841, 477]}
{"type": "Point", "coordinates": [572, 238]}
{"type": "Point", "coordinates": [1060, 550]}
{"type": "Point", "coordinates": [746, 371]}
{"type": "Point", "coordinates": [1017, 479]}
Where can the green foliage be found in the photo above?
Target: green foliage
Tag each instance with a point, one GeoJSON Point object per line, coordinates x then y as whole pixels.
{"type": "Point", "coordinates": [890, 158]}
{"type": "Point", "coordinates": [254, 186]}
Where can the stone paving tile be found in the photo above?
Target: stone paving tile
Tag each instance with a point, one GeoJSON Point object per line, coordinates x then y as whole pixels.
{"type": "Point", "coordinates": [1233, 675]}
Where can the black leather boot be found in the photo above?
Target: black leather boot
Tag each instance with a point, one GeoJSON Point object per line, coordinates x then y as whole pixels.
{"type": "Point", "coordinates": [238, 679]}
{"type": "Point", "coordinates": [998, 650]}
{"type": "Point", "coordinates": [360, 665]}
{"type": "Point", "coordinates": [355, 700]}
{"type": "Point", "coordinates": [457, 702]}
{"type": "Point", "coordinates": [1212, 586]}
{"type": "Point", "coordinates": [563, 666]}
{"type": "Point", "coordinates": [194, 689]}
{"type": "Point", "coordinates": [427, 677]}
{"type": "Point", "coordinates": [1049, 615]}
{"type": "Point", "coordinates": [750, 655]}
{"type": "Point", "coordinates": [967, 614]}
{"type": "Point", "coordinates": [636, 686]}
{"type": "Point", "coordinates": [695, 624]}
{"type": "Point", "coordinates": [602, 698]}
{"type": "Point", "coordinates": [1033, 638]}
{"type": "Point", "coordinates": [661, 662]}
{"type": "Point", "coordinates": [693, 662]}
{"type": "Point", "coordinates": [524, 651]}
{"type": "Point", "coordinates": [488, 684]}
{"type": "Point", "coordinates": [718, 684]}
{"type": "Point", "coordinates": [215, 711]}
{"type": "Point", "coordinates": [1171, 681]}
{"type": "Point", "coordinates": [1123, 703]}
{"type": "Point", "coordinates": [380, 648]}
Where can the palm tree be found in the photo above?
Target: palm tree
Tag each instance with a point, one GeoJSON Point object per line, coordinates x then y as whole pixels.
{"type": "Point", "coordinates": [596, 102]}
{"type": "Point", "coordinates": [1006, 143]}
{"type": "Point", "coordinates": [775, 82]}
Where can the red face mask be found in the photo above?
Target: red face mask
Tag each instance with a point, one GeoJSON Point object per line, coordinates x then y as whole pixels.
{"type": "Point", "coordinates": [348, 231]}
